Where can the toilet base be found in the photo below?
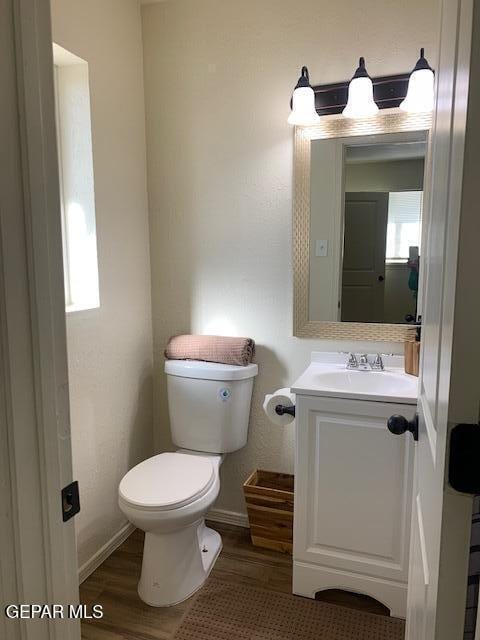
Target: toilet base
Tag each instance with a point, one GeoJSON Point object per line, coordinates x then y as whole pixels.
{"type": "Point", "coordinates": [176, 564]}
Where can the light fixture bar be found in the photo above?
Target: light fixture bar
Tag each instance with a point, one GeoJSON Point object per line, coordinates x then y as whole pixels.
{"type": "Point", "coordinates": [388, 93]}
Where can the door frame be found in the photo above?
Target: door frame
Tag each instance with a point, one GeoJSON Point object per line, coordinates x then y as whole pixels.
{"type": "Point", "coordinates": [37, 553]}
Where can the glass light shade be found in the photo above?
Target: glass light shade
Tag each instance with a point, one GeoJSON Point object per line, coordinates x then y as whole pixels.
{"type": "Point", "coordinates": [360, 102]}
{"type": "Point", "coordinates": [303, 107]}
{"type": "Point", "coordinates": [420, 93]}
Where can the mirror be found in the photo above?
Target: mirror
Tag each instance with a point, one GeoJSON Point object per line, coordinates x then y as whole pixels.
{"type": "Point", "coordinates": [358, 207]}
{"type": "Point", "coordinates": [364, 266]}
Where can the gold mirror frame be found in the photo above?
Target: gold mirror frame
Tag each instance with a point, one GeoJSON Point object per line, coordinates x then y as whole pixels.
{"type": "Point", "coordinates": [386, 122]}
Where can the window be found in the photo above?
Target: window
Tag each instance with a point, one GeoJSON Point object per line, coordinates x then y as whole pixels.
{"type": "Point", "coordinates": [404, 224]}
{"type": "Point", "coordinates": [74, 139]}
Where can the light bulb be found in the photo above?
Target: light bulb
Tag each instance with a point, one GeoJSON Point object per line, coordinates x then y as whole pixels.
{"type": "Point", "coordinates": [303, 103]}
{"type": "Point", "coordinates": [360, 103]}
{"type": "Point", "coordinates": [420, 93]}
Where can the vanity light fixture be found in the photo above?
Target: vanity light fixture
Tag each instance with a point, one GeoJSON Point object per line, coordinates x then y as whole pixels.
{"type": "Point", "coordinates": [363, 96]}
{"type": "Point", "coordinates": [360, 102]}
{"type": "Point", "coordinates": [420, 94]}
{"type": "Point", "coordinates": [303, 102]}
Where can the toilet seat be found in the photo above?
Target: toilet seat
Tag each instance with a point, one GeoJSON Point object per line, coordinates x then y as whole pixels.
{"type": "Point", "coordinates": [167, 481]}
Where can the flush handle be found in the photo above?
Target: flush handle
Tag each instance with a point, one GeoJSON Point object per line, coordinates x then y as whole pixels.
{"type": "Point", "coordinates": [399, 424]}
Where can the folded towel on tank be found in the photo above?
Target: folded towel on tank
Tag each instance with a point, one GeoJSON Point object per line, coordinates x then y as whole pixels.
{"type": "Point", "coordinates": [224, 349]}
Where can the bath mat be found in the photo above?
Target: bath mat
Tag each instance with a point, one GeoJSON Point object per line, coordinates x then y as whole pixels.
{"type": "Point", "coordinates": [226, 611]}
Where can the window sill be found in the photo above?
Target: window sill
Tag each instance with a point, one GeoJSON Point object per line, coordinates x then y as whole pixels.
{"type": "Point", "coordinates": [400, 262]}
{"type": "Point", "coordinates": [74, 308]}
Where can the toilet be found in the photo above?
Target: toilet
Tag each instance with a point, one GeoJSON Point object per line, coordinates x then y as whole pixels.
{"type": "Point", "coordinates": [168, 495]}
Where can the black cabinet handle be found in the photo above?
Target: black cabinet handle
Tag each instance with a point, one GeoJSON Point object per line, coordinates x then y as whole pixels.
{"type": "Point", "coordinates": [399, 424]}
{"type": "Point", "coordinates": [381, 278]}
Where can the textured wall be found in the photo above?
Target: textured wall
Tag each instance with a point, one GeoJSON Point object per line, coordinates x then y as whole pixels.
{"type": "Point", "coordinates": [110, 349]}
{"type": "Point", "coordinates": [325, 224]}
{"type": "Point", "coordinates": [218, 78]}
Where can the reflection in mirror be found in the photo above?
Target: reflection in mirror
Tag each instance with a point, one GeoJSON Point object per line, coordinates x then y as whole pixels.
{"type": "Point", "coordinates": [365, 229]}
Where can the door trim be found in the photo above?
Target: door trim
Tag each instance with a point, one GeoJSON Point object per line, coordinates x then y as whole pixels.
{"type": "Point", "coordinates": [32, 324]}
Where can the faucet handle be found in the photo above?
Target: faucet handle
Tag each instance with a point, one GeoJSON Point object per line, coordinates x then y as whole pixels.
{"type": "Point", "coordinates": [352, 362]}
{"type": "Point", "coordinates": [378, 363]}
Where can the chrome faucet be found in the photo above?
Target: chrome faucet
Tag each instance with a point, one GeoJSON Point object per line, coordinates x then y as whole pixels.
{"type": "Point", "coordinates": [362, 363]}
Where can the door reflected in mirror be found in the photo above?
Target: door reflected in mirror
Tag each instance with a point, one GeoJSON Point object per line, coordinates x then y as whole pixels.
{"type": "Point", "coordinates": [365, 229]}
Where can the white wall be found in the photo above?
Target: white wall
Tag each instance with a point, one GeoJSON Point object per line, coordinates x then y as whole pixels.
{"type": "Point", "coordinates": [396, 175]}
{"type": "Point", "coordinates": [398, 297]}
{"type": "Point", "coordinates": [110, 348]}
{"type": "Point", "coordinates": [218, 79]}
{"type": "Point", "coordinates": [325, 225]}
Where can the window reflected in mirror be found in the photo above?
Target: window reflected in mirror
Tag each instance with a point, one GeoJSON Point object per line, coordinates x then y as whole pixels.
{"type": "Point", "coordinates": [365, 230]}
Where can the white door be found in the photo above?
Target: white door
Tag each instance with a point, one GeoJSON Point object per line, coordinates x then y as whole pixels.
{"type": "Point", "coordinates": [449, 388]}
{"type": "Point", "coordinates": [363, 273]}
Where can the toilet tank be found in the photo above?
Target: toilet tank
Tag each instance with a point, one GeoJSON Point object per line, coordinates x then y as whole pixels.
{"type": "Point", "coordinates": [209, 404]}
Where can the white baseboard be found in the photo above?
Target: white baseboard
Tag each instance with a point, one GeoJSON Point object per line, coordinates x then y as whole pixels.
{"type": "Point", "coordinates": [228, 517]}
{"type": "Point", "coordinates": [102, 554]}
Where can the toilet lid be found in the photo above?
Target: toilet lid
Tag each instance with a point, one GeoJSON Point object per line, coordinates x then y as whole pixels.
{"type": "Point", "coordinates": [166, 481]}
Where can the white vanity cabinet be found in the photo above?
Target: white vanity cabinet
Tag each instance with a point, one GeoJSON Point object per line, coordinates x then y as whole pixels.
{"type": "Point", "coordinates": [353, 483]}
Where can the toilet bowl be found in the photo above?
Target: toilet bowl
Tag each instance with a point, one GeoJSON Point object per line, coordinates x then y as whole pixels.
{"type": "Point", "coordinates": [168, 495]}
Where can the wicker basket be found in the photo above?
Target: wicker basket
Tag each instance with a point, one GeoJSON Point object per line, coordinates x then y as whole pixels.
{"type": "Point", "coordinates": [269, 498]}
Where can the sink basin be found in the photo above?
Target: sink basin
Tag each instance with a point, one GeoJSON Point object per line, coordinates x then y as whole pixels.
{"type": "Point", "coordinates": [334, 380]}
{"type": "Point", "coordinates": [371, 382]}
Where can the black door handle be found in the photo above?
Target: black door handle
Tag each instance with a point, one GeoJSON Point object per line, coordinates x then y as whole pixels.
{"type": "Point", "coordinates": [381, 278]}
{"type": "Point", "coordinates": [399, 424]}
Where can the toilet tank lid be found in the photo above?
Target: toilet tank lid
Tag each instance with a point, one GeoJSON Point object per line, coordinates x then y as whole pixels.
{"type": "Point", "coordinates": [209, 370]}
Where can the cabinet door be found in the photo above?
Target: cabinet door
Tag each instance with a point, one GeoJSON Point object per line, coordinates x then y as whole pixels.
{"type": "Point", "coordinates": [352, 488]}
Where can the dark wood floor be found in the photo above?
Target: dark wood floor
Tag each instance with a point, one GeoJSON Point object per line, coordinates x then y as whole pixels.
{"type": "Point", "coordinates": [126, 617]}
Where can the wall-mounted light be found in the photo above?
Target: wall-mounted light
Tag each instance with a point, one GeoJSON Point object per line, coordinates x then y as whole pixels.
{"type": "Point", "coordinates": [303, 102]}
{"type": "Point", "coordinates": [420, 94]}
{"type": "Point", "coordinates": [363, 96]}
{"type": "Point", "coordinates": [360, 102]}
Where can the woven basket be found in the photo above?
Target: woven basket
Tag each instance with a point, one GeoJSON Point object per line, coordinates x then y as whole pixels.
{"type": "Point", "coordinates": [269, 498]}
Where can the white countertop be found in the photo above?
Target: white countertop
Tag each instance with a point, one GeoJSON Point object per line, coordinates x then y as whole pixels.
{"type": "Point", "coordinates": [327, 376]}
